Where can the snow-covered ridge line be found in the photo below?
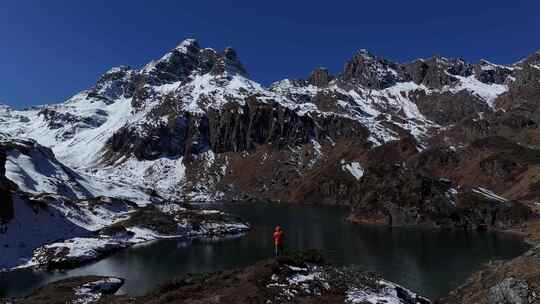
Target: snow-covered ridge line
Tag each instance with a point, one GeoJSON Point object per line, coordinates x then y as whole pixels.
{"type": "Point", "coordinates": [190, 80]}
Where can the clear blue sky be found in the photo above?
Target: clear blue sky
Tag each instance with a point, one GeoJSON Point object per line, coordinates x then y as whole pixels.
{"type": "Point", "coordinates": [52, 49]}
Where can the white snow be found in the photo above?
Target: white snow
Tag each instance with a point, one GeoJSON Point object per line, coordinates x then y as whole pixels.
{"type": "Point", "coordinates": [36, 170]}
{"type": "Point", "coordinates": [487, 92]}
{"type": "Point", "coordinates": [354, 168]}
{"type": "Point", "coordinates": [32, 227]}
{"type": "Point", "coordinates": [31, 172]}
{"type": "Point", "coordinates": [93, 291]}
{"type": "Point", "coordinates": [35, 225]}
{"type": "Point", "coordinates": [299, 281]}
{"type": "Point", "coordinates": [451, 194]}
{"type": "Point", "coordinates": [489, 194]}
{"type": "Point", "coordinates": [388, 294]}
{"type": "Point", "coordinates": [81, 249]}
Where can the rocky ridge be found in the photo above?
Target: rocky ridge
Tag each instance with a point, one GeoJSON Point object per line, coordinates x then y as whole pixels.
{"type": "Point", "coordinates": [190, 123]}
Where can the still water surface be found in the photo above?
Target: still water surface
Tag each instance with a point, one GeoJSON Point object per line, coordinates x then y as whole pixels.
{"type": "Point", "coordinates": [428, 261]}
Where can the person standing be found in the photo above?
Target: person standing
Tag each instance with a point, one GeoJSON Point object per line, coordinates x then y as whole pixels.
{"type": "Point", "coordinates": [278, 240]}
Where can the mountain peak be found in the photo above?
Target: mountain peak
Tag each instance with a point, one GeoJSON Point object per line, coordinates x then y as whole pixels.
{"type": "Point", "coordinates": [370, 71]}
{"type": "Point", "coordinates": [365, 53]}
{"type": "Point", "coordinates": [484, 62]}
{"type": "Point", "coordinates": [188, 45]}
{"type": "Point", "coordinates": [230, 53]}
{"type": "Point", "coordinates": [189, 58]}
{"type": "Point", "coordinates": [228, 62]}
{"type": "Point", "coordinates": [118, 69]}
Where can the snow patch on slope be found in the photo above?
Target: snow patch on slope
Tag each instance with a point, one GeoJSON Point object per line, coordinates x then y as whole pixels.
{"type": "Point", "coordinates": [39, 173]}
{"type": "Point", "coordinates": [489, 195]}
{"type": "Point", "coordinates": [354, 168]}
{"type": "Point", "coordinates": [388, 294]}
{"type": "Point", "coordinates": [486, 92]}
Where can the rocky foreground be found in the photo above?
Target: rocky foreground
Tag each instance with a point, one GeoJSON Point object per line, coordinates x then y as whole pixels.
{"type": "Point", "coordinates": [299, 278]}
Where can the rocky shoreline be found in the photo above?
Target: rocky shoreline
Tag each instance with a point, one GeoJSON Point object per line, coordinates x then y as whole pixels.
{"type": "Point", "coordinates": [146, 224]}
{"type": "Point", "coordinates": [302, 277]}
{"type": "Point", "coordinates": [78, 290]}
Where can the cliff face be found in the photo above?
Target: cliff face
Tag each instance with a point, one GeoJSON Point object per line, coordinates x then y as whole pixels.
{"type": "Point", "coordinates": [6, 201]}
{"type": "Point", "coordinates": [234, 128]}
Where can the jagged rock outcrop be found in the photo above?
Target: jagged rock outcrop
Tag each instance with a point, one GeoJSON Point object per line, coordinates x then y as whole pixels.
{"type": "Point", "coordinates": [488, 72]}
{"type": "Point", "coordinates": [437, 72]}
{"type": "Point", "coordinates": [57, 120]}
{"type": "Point", "coordinates": [118, 82]}
{"type": "Point", "coordinates": [181, 62]}
{"type": "Point", "coordinates": [320, 77]}
{"type": "Point", "coordinates": [446, 108]}
{"type": "Point", "coordinates": [528, 71]}
{"type": "Point", "coordinates": [235, 128]}
{"type": "Point", "coordinates": [371, 72]}
{"type": "Point", "coordinates": [228, 62]}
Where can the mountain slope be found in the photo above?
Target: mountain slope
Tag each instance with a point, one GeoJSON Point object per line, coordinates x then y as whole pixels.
{"type": "Point", "coordinates": [192, 126]}
{"type": "Point", "coordinates": [53, 217]}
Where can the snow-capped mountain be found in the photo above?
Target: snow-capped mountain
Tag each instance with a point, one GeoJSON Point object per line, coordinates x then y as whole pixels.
{"type": "Point", "coordinates": [193, 126]}
{"type": "Point", "coordinates": [151, 119]}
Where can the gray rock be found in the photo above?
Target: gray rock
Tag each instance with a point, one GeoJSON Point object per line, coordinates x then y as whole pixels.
{"type": "Point", "coordinates": [320, 77]}
{"type": "Point", "coordinates": [236, 128]}
{"type": "Point", "coordinates": [115, 83]}
{"type": "Point", "coordinates": [509, 291]}
{"type": "Point", "coordinates": [228, 62]}
{"type": "Point", "coordinates": [528, 72]}
{"type": "Point", "coordinates": [371, 72]}
{"type": "Point", "coordinates": [437, 72]}
{"type": "Point", "coordinates": [487, 72]}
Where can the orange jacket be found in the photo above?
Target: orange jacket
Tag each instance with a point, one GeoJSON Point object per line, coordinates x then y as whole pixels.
{"type": "Point", "coordinates": [278, 237]}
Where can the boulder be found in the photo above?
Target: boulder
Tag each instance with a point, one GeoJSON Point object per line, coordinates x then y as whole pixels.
{"type": "Point", "coordinates": [509, 291]}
